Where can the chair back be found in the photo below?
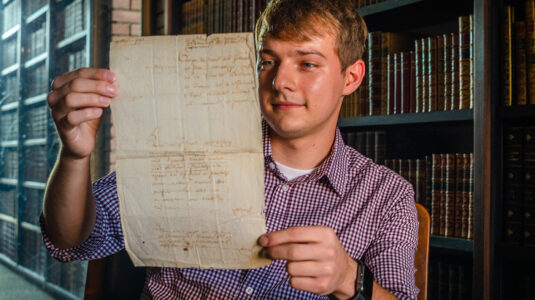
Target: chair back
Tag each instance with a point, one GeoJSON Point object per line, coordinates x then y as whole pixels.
{"type": "Point", "coordinates": [421, 258]}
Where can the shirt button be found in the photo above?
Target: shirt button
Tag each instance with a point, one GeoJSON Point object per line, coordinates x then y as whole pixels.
{"type": "Point", "coordinates": [271, 165]}
{"type": "Point", "coordinates": [249, 290]}
{"type": "Point", "coordinates": [285, 188]}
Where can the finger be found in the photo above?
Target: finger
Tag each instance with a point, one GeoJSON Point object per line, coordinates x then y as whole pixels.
{"type": "Point", "coordinates": [82, 85]}
{"type": "Point", "coordinates": [89, 73]}
{"type": "Point", "coordinates": [77, 117]}
{"type": "Point", "coordinates": [301, 234]}
{"type": "Point", "coordinates": [316, 285]}
{"type": "Point", "coordinates": [75, 101]}
{"type": "Point", "coordinates": [310, 269]}
{"type": "Point", "coordinates": [294, 252]}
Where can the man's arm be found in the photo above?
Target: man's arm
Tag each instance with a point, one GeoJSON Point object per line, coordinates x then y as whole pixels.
{"type": "Point", "coordinates": [77, 101]}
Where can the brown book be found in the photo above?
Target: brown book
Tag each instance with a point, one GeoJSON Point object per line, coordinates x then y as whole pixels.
{"type": "Point", "coordinates": [436, 178]}
{"type": "Point", "coordinates": [405, 58]}
{"type": "Point", "coordinates": [464, 61]}
{"type": "Point", "coordinates": [363, 99]}
{"type": "Point", "coordinates": [528, 161]}
{"type": "Point", "coordinates": [441, 72]}
{"type": "Point", "coordinates": [425, 75]}
{"type": "Point", "coordinates": [449, 194]}
{"type": "Point", "coordinates": [447, 68]}
{"type": "Point", "coordinates": [405, 169]}
{"type": "Point", "coordinates": [521, 76]}
{"type": "Point", "coordinates": [432, 73]}
{"type": "Point", "coordinates": [418, 72]}
{"type": "Point", "coordinates": [374, 73]}
{"type": "Point", "coordinates": [397, 84]}
{"type": "Point", "coordinates": [442, 192]}
{"type": "Point", "coordinates": [396, 166]}
{"type": "Point", "coordinates": [428, 183]}
{"type": "Point", "coordinates": [459, 171]}
{"type": "Point", "coordinates": [471, 197]}
{"type": "Point", "coordinates": [390, 101]}
{"type": "Point", "coordinates": [507, 51]}
{"type": "Point", "coordinates": [468, 201]}
{"type": "Point", "coordinates": [419, 189]}
{"type": "Point", "coordinates": [455, 90]}
{"type": "Point", "coordinates": [412, 96]}
{"type": "Point", "coordinates": [530, 47]}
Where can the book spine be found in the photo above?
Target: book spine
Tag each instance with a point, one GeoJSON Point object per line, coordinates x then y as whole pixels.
{"type": "Point", "coordinates": [432, 73]}
{"type": "Point", "coordinates": [455, 89]}
{"type": "Point", "coordinates": [380, 146]}
{"type": "Point", "coordinates": [370, 144]}
{"type": "Point", "coordinates": [420, 187]}
{"type": "Point", "coordinates": [363, 89]}
{"type": "Point", "coordinates": [405, 82]}
{"type": "Point", "coordinates": [464, 62]}
{"type": "Point", "coordinates": [413, 175]}
{"type": "Point", "coordinates": [390, 100]}
{"type": "Point", "coordinates": [425, 75]}
{"type": "Point", "coordinates": [361, 142]}
{"type": "Point", "coordinates": [418, 75]}
{"type": "Point", "coordinates": [441, 72]}
{"type": "Point", "coordinates": [459, 171]}
{"type": "Point", "coordinates": [428, 185]}
{"type": "Point", "coordinates": [449, 195]}
{"type": "Point", "coordinates": [436, 175]}
{"type": "Point", "coordinates": [529, 186]}
{"type": "Point", "coordinates": [446, 84]}
{"type": "Point", "coordinates": [507, 61]}
{"type": "Point", "coordinates": [442, 193]}
{"type": "Point", "coordinates": [385, 45]}
{"type": "Point", "coordinates": [521, 81]}
{"type": "Point", "coordinates": [374, 74]}
{"type": "Point", "coordinates": [512, 186]}
{"type": "Point", "coordinates": [412, 97]}
{"type": "Point", "coordinates": [470, 229]}
{"type": "Point", "coordinates": [530, 46]}
{"type": "Point", "coordinates": [471, 53]}
{"type": "Point", "coordinates": [397, 83]}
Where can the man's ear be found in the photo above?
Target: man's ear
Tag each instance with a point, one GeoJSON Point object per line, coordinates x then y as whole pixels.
{"type": "Point", "coordinates": [353, 77]}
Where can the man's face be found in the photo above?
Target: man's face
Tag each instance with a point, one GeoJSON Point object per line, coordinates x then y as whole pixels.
{"type": "Point", "coordinates": [301, 85]}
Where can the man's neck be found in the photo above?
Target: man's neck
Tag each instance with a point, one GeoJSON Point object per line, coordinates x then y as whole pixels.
{"type": "Point", "coordinates": [302, 153]}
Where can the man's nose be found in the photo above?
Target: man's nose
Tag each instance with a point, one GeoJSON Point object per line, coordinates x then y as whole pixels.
{"type": "Point", "coordinates": [284, 77]}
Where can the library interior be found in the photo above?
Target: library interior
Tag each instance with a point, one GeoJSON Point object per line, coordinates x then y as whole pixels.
{"type": "Point", "coordinates": [447, 102]}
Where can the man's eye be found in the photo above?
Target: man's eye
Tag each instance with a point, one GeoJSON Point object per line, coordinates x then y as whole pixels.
{"type": "Point", "coordinates": [267, 63]}
{"type": "Point", "coordinates": [308, 65]}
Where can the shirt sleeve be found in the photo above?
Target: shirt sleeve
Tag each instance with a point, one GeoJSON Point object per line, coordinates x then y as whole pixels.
{"type": "Point", "coordinates": [391, 256]}
{"type": "Point", "coordinates": [107, 236]}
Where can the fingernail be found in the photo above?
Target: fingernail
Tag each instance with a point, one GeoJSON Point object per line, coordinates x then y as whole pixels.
{"type": "Point", "coordinates": [112, 89]}
{"type": "Point", "coordinates": [105, 100]}
{"type": "Point", "coordinates": [110, 76]}
{"type": "Point", "coordinates": [264, 240]}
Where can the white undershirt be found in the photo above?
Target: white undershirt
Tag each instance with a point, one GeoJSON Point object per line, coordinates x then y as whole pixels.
{"type": "Point", "coordinates": [292, 173]}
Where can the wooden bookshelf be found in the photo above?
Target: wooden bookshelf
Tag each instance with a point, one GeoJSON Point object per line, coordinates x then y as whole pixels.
{"type": "Point", "coordinates": [516, 112]}
{"type": "Point", "coordinates": [413, 118]}
{"type": "Point", "coordinates": [449, 243]}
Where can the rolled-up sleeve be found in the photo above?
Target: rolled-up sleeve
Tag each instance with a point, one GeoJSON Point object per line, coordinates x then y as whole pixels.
{"type": "Point", "coordinates": [391, 255]}
{"type": "Point", "coordinates": [107, 236]}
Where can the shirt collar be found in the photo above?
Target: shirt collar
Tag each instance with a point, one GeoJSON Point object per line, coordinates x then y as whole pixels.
{"type": "Point", "coordinates": [333, 169]}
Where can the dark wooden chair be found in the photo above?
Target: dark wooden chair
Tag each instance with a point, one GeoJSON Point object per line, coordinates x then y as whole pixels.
{"type": "Point", "coordinates": [116, 277]}
{"type": "Point", "coordinates": [421, 258]}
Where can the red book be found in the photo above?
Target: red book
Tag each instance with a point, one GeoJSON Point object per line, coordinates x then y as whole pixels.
{"type": "Point", "coordinates": [390, 99]}
{"type": "Point", "coordinates": [397, 84]}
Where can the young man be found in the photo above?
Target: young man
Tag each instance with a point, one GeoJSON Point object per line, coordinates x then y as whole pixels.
{"type": "Point", "coordinates": [331, 213]}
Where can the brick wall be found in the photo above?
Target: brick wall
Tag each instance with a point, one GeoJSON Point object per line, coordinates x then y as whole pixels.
{"type": "Point", "coordinates": [125, 21]}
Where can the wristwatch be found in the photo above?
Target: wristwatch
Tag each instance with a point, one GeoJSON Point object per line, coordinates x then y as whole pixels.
{"type": "Point", "coordinates": [363, 283]}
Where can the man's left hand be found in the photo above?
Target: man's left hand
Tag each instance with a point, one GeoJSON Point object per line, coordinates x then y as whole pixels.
{"type": "Point", "coordinates": [316, 261]}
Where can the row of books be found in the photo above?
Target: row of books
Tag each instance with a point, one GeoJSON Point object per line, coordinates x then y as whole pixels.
{"type": "Point", "coordinates": [36, 43]}
{"type": "Point", "coordinates": [9, 167]}
{"type": "Point", "coordinates": [9, 126]}
{"type": "Point", "coordinates": [73, 18]}
{"type": "Point", "coordinates": [36, 120]}
{"type": "Point", "coordinates": [37, 81]}
{"type": "Point", "coordinates": [217, 16]}
{"type": "Point", "coordinates": [8, 241]}
{"type": "Point", "coordinates": [76, 60]}
{"type": "Point", "coordinates": [443, 183]}
{"type": "Point", "coordinates": [448, 280]}
{"type": "Point", "coordinates": [10, 51]}
{"type": "Point", "coordinates": [8, 196]}
{"type": "Point", "coordinates": [518, 54]}
{"type": "Point", "coordinates": [32, 6]}
{"type": "Point", "coordinates": [519, 185]}
{"type": "Point", "coordinates": [11, 14]}
{"type": "Point", "coordinates": [363, 3]}
{"type": "Point", "coordinates": [371, 144]}
{"type": "Point", "coordinates": [11, 91]}
{"type": "Point", "coordinates": [406, 74]}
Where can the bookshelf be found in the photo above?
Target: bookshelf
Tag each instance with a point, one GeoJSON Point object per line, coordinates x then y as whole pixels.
{"type": "Point", "coordinates": [39, 40]}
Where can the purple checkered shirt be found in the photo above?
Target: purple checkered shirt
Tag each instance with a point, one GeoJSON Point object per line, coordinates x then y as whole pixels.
{"type": "Point", "coordinates": [370, 207]}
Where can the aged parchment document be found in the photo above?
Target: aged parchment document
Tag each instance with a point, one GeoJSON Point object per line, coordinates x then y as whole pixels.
{"type": "Point", "coordinates": [189, 150]}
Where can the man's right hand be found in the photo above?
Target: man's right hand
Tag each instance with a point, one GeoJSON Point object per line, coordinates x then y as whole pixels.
{"type": "Point", "coordinates": [77, 100]}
